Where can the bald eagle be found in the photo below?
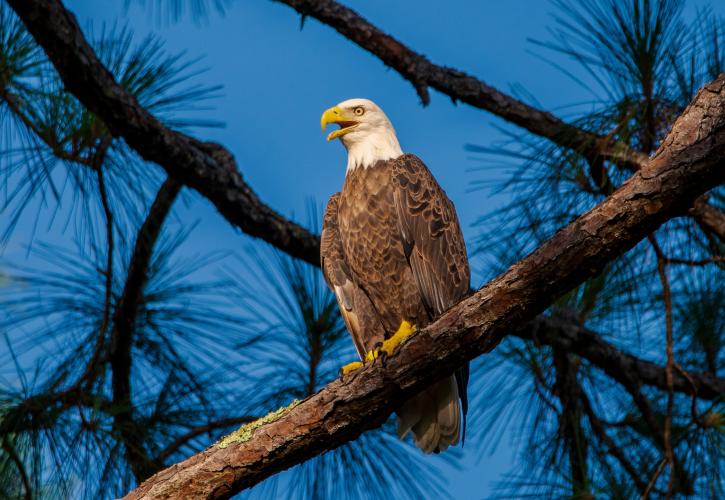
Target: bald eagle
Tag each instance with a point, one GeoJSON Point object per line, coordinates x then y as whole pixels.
{"type": "Point", "coordinates": [393, 253]}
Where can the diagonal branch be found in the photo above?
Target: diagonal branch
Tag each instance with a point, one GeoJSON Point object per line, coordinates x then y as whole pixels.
{"type": "Point", "coordinates": [206, 167]}
{"type": "Point", "coordinates": [686, 166]}
{"type": "Point", "coordinates": [573, 338]}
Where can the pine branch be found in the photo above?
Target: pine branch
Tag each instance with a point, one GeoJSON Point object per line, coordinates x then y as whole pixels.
{"type": "Point", "coordinates": [124, 321]}
{"type": "Point", "coordinates": [686, 166]}
{"type": "Point", "coordinates": [11, 101]}
{"type": "Point", "coordinates": [206, 167]}
{"type": "Point", "coordinates": [17, 461]}
{"type": "Point", "coordinates": [571, 337]}
{"type": "Point", "coordinates": [22, 414]}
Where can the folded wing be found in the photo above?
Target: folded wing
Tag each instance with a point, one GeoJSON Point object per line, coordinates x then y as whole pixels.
{"type": "Point", "coordinates": [358, 312]}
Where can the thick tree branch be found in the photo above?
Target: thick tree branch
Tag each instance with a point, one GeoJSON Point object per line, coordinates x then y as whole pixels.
{"type": "Point", "coordinates": [460, 86]}
{"type": "Point", "coordinates": [568, 336]}
{"type": "Point", "coordinates": [211, 170]}
{"type": "Point", "coordinates": [205, 167]}
{"type": "Point", "coordinates": [687, 165]}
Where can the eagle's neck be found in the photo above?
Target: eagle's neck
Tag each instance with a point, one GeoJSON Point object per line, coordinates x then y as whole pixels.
{"type": "Point", "coordinates": [372, 148]}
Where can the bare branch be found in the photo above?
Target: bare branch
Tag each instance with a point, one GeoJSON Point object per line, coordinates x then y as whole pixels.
{"type": "Point", "coordinates": [460, 86]}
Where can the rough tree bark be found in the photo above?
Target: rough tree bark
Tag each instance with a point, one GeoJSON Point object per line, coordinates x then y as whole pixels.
{"type": "Point", "coordinates": [688, 163]}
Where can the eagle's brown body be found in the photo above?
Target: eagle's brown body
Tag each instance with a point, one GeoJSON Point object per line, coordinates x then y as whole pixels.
{"type": "Point", "coordinates": [392, 250]}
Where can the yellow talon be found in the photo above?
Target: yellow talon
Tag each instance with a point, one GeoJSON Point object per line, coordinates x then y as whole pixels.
{"type": "Point", "coordinates": [351, 367]}
{"type": "Point", "coordinates": [405, 330]}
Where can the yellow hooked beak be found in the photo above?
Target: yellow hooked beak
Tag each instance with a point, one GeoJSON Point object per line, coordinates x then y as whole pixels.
{"type": "Point", "coordinates": [339, 117]}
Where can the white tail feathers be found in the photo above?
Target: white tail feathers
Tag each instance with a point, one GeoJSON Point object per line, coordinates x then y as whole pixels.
{"type": "Point", "coordinates": [434, 417]}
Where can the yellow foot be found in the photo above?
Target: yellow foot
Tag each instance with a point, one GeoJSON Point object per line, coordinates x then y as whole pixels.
{"type": "Point", "coordinates": [387, 348]}
{"type": "Point", "coordinates": [350, 367]}
{"type": "Point", "coordinates": [405, 330]}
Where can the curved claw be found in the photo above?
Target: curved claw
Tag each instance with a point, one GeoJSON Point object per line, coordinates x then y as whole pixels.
{"type": "Point", "coordinates": [374, 353]}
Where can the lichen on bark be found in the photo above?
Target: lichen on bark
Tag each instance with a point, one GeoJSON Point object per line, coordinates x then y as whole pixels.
{"type": "Point", "coordinates": [244, 433]}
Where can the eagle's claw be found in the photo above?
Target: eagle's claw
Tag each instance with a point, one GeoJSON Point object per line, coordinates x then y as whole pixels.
{"type": "Point", "coordinates": [382, 349]}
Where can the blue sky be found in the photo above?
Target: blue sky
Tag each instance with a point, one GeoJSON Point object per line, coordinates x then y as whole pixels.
{"type": "Point", "coordinates": [277, 80]}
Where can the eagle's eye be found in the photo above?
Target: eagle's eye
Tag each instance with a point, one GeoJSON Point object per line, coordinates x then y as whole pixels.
{"type": "Point", "coordinates": [359, 111]}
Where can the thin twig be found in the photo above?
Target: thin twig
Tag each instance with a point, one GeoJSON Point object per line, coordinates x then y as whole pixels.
{"type": "Point", "coordinates": [652, 481]}
{"type": "Point", "coordinates": [614, 450]}
{"type": "Point", "coordinates": [695, 263]}
{"type": "Point", "coordinates": [97, 161]}
{"type": "Point", "coordinates": [693, 404]}
{"type": "Point", "coordinates": [667, 297]}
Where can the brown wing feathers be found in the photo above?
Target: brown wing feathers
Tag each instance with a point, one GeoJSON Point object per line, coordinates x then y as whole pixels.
{"type": "Point", "coordinates": [431, 235]}
{"type": "Point", "coordinates": [357, 310]}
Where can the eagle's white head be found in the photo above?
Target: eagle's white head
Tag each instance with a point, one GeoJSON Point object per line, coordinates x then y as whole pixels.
{"type": "Point", "coordinates": [365, 131]}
